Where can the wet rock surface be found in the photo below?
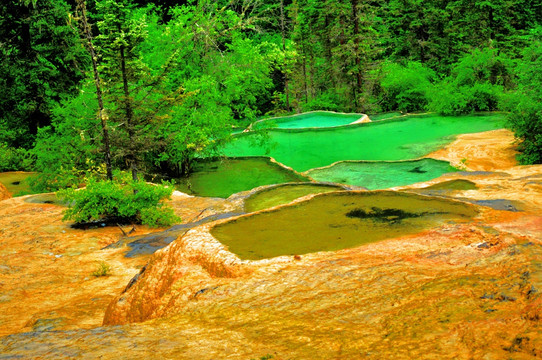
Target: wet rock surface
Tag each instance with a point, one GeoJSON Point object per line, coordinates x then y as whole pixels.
{"type": "Point", "coordinates": [150, 243]}
{"type": "Point", "coordinates": [456, 291]}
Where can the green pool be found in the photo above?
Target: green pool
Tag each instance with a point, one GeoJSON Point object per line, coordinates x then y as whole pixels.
{"type": "Point", "coordinates": [457, 184]}
{"type": "Point", "coordinates": [336, 221]}
{"type": "Point", "coordinates": [410, 137]}
{"type": "Point", "coordinates": [314, 119]}
{"type": "Point", "coordinates": [16, 182]}
{"type": "Point", "coordinates": [283, 194]}
{"type": "Point", "coordinates": [381, 175]}
{"type": "Point", "coordinates": [222, 178]}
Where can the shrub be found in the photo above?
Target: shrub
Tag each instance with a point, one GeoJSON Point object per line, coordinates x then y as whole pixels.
{"type": "Point", "coordinates": [450, 99]}
{"type": "Point", "coordinates": [405, 88]}
{"type": "Point", "coordinates": [12, 159]}
{"type": "Point", "coordinates": [526, 104]}
{"type": "Point", "coordinates": [526, 122]}
{"type": "Point", "coordinates": [102, 269]}
{"type": "Point", "coordinates": [477, 83]}
{"type": "Point", "coordinates": [134, 202]}
{"type": "Point", "coordinates": [328, 100]}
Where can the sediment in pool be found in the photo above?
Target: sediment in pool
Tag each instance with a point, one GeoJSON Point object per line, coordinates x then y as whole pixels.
{"type": "Point", "coordinates": [333, 221]}
{"type": "Point", "coordinates": [457, 184]}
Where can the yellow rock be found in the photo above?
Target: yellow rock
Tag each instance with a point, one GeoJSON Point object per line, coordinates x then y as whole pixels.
{"type": "Point", "coordinates": [4, 193]}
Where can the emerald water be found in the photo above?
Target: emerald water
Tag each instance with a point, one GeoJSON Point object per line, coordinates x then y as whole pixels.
{"type": "Point", "coordinates": [284, 194]}
{"type": "Point", "coordinates": [410, 137]}
{"type": "Point", "coordinates": [222, 178]}
{"type": "Point", "coordinates": [313, 119]}
{"type": "Point", "coordinates": [336, 221]}
{"type": "Point", "coordinates": [381, 175]}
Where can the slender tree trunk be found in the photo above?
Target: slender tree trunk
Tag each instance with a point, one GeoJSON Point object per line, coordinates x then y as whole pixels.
{"type": "Point", "coordinates": [87, 33]}
{"type": "Point", "coordinates": [132, 157]}
{"type": "Point", "coordinates": [283, 30]}
{"type": "Point", "coordinates": [304, 68]}
{"type": "Point", "coordinates": [359, 78]}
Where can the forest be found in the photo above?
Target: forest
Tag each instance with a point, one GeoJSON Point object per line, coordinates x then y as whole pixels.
{"type": "Point", "coordinates": [91, 88]}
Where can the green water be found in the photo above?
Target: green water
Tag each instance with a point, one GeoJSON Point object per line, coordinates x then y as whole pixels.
{"type": "Point", "coordinates": [405, 138]}
{"type": "Point", "coordinates": [458, 184]}
{"type": "Point", "coordinates": [222, 178]}
{"type": "Point", "coordinates": [336, 221]}
{"type": "Point", "coordinates": [284, 194]}
{"type": "Point", "coordinates": [382, 175]}
{"type": "Point", "coordinates": [15, 182]}
{"type": "Point", "coordinates": [308, 120]}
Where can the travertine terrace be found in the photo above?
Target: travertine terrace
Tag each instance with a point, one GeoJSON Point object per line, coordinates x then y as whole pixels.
{"type": "Point", "coordinates": [456, 291]}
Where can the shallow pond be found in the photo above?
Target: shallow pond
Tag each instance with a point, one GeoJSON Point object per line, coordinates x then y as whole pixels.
{"type": "Point", "coordinates": [457, 184]}
{"type": "Point", "coordinates": [381, 175]}
{"type": "Point", "coordinates": [284, 194]}
{"type": "Point", "coordinates": [308, 120]}
{"type": "Point", "coordinates": [409, 137]}
{"type": "Point", "coordinates": [222, 178]}
{"type": "Point", "coordinates": [15, 182]}
{"type": "Point", "coordinates": [336, 221]}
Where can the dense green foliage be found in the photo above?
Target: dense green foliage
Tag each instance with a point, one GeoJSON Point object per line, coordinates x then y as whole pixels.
{"type": "Point", "coordinates": [134, 202]}
{"type": "Point", "coordinates": [477, 83]}
{"type": "Point", "coordinates": [526, 103]}
{"type": "Point", "coordinates": [42, 63]}
{"type": "Point", "coordinates": [173, 78]}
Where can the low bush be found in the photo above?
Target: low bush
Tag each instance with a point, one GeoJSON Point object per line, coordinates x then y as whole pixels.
{"type": "Point", "coordinates": [328, 100]}
{"type": "Point", "coordinates": [525, 104]}
{"type": "Point", "coordinates": [478, 82]}
{"type": "Point", "coordinates": [127, 202]}
{"type": "Point", "coordinates": [405, 88]}
{"type": "Point", "coordinates": [102, 269]}
{"type": "Point", "coordinates": [12, 159]}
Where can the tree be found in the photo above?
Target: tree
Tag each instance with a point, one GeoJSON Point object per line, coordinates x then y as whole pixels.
{"type": "Point", "coordinates": [86, 33]}
{"type": "Point", "coordinates": [42, 63]}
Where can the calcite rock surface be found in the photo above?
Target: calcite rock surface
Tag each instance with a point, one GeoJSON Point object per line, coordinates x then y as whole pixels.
{"type": "Point", "coordinates": [46, 266]}
{"type": "Point", "coordinates": [485, 151]}
{"type": "Point", "coordinates": [457, 291]}
{"type": "Point", "coordinates": [4, 193]}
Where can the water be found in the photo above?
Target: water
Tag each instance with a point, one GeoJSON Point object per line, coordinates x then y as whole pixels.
{"type": "Point", "coordinates": [405, 138]}
{"type": "Point", "coordinates": [16, 182]}
{"type": "Point", "coordinates": [382, 175]}
{"type": "Point", "coordinates": [284, 194]}
{"type": "Point", "coordinates": [308, 120]}
{"type": "Point", "coordinates": [336, 221]}
{"type": "Point", "coordinates": [222, 178]}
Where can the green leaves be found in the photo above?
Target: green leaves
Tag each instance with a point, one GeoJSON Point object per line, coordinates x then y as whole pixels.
{"type": "Point", "coordinates": [42, 63]}
{"type": "Point", "coordinates": [477, 83]}
{"type": "Point", "coordinates": [406, 88]}
{"type": "Point", "coordinates": [526, 104]}
{"type": "Point", "coordinates": [119, 201]}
